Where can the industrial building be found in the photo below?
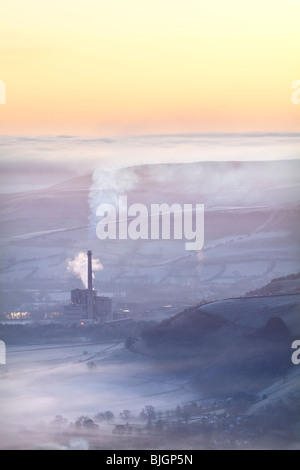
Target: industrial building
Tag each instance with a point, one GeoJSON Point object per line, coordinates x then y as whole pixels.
{"type": "Point", "coordinates": [86, 304]}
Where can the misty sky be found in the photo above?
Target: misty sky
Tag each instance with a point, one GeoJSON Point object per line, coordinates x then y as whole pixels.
{"type": "Point", "coordinates": [37, 162]}
{"type": "Point", "coordinates": [93, 67]}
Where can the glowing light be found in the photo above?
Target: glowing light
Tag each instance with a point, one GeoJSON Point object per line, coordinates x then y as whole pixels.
{"type": "Point", "coordinates": [18, 315]}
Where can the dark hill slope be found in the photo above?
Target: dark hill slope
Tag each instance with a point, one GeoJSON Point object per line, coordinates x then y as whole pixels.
{"type": "Point", "coordinates": [218, 355]}
{"type": "Point", "coordinates": [254, 312]}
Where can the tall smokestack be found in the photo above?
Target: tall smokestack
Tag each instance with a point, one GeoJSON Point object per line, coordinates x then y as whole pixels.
{"type": "Point", "coordinates": [90, 287]}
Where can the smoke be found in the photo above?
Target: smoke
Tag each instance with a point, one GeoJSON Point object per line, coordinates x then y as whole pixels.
{"type": "Point", "coordinates": [22, 167]}
{"type": "Point", "coordinates": [214, 184]}
{"type": "Point", "coordinates": [154, 164]}
{"type": "Point", "coordinates": [79, 266]}
{"type": "Point", "coordinates": [108, 184]}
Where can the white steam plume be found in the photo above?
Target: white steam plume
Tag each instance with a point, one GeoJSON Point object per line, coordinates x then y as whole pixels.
{"type": "Point", "coordinates": [108, 184]}
{"type": "Point", "coordinates": [79, 266]}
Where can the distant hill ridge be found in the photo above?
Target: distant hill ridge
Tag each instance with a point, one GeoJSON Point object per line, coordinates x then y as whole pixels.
{"type": "Point", "coordinates": [280, 285]}
{"type": "Point", "coordinates": [233, 345]}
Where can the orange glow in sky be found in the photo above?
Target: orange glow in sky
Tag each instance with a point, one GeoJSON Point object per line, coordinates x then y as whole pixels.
{"type": "Point", "coordinates": [93, 67]}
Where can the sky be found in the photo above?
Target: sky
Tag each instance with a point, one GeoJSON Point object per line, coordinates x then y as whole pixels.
{"type": "Point", "coordinates": [137, 67]}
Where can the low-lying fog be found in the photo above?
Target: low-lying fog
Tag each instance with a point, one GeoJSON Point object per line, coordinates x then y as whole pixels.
{"type": "Point", "coordinates": [40, 383]}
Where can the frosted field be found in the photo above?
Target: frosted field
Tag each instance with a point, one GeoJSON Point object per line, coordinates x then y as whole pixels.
{"type": "Point", "coordinates": [39, 383]}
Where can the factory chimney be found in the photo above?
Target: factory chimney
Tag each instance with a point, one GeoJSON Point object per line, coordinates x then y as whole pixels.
{"type": "Point", "coordinates": [90, 287]}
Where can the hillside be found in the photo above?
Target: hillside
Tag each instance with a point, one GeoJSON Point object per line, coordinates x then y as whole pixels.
{"type": "Point", "coordinates": [254, 312]}
{"type": "Point", "coordinates": [251, 235]}
{"type": "Point", "coordinates": [283, 285]}
{"type": "Point", "coordinates": [228, 346]}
